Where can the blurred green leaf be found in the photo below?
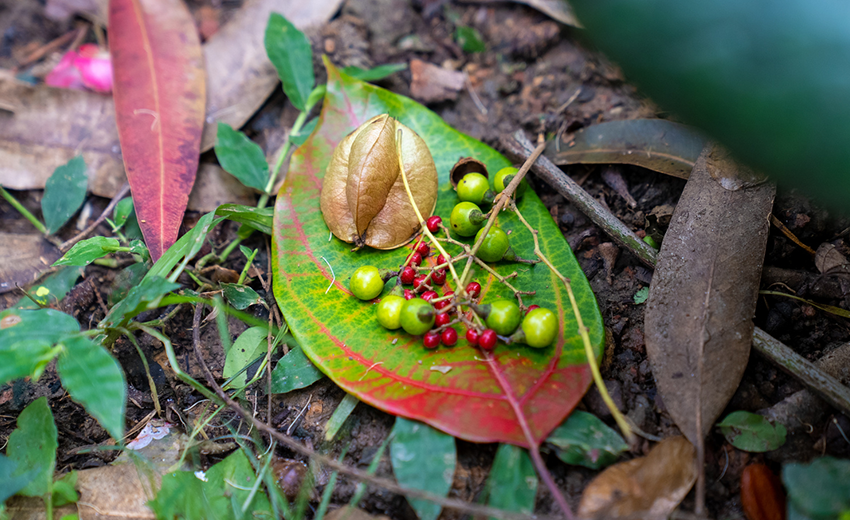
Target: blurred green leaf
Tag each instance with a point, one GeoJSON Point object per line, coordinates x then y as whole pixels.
{"type": "Point", "coordinates": [27, 338]}
{"type": "Point", "coordinates": [290, 52]}
{"type": "Point", "coordinates": [586, 441]}
{"type": "Point", "coordinates": [241, 157]}
{"type": "Point", "coordinates": [185, 248]}
{"type": "Point", "coordinates": [33, 445]}
{"type": "Point", "coordinates": [819, 490]}
{"type": "Point", "coordinates": [64, 193]}
{"type": "Point", "coordinates": [641, 295]}
{"type": "Point", "coordinates": [248, 346]}
{"type": "Point", "coordinates": [512, 484]}
{"type": "Point", "coordinates": [125, 280]}
{"type": "Point", "coordinates": [122, 212]}
{"type": "Point", "coordinates": [294, 371]}
{"type": "Point", "coordinates": [256, 218]}
{"type": "Point", "coordinates": [375, 73]}
{"type": "Point", "coordinates": [299, 138]}
{"type": "Point", "coordinates": [94, 379]}
{"type": "Point", "coordinates": [11, 479]}
{"type": "Point", "coordinates": [87, 251]}
{"type": "Point", "coordinates": [64, 491]}
{"type": "Point", "coordinates": [343, 410]}
{"type": "Point", "coordinates": [240, 296]}
{"type": "Point", "coordinates": [469, 39]}
{"type": "Point", "coordinates": [752, 432]}
{"type": "Point", "coordinates": [138, 299]}
{"type": "Point", "coordinates": [52, 289]}
{"type": "Point", "coordinates": [423, 458]}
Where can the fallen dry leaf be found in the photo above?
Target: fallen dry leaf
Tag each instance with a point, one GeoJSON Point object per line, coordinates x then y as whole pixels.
{"type": "Point", "coordinates": [762, 494]}
{"type": "Point", "coordinates": [703, 295]}
{"type": "Point", "coordinates": [352, 513]}
{"type": "Point", "coordinates": [647, 488]}
{"type": "Point", "coordinates": [24, 259]}
{"type": "Point", "coordinates": [431, 83]}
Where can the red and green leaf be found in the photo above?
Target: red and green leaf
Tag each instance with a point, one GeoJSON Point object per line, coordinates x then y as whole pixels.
{"type": "Point", "coordinates": [160, 95]}
{"type": "Point", "coordinates": [472, 395]}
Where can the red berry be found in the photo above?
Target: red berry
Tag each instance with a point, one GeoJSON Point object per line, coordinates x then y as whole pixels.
{"type": "Point", "coordinates": [439, 276]}
{"type": "Point", "coordinates": [408, 294]}
{"type": "Point", "coordinates": [442, 318]}
{"type": "Point", "coordinates": [473, 289]}
{"type": "Point", "coordinates": [471, 336]}
{"type": "Point", "coordinates": [449, 337]}
{"type": "Point", "coordinates": [448, 293]}
{"type": "Point", "coordinates": [416, 259]}
{"type": "Point", "coordinates": [407, 275]}
{"type": "Point", "coordinates": [487, 340]}
{"type": "Point", "coordinates": [423, 249]}
{"type": "Point", "coordinates": [431, 339]}
{"type": "Point", "coordinates": [429, 295]}
{"type": "Point", "coordinates": [433, 223]}
{"type": "Point", "coordinates": [531, 308]}
{"type": "Point", "coordinates": [441, 259]}
{"type": "Point", "coordinates": [418, 281]}
{"type": "Point", "coordinates": [442, 304]}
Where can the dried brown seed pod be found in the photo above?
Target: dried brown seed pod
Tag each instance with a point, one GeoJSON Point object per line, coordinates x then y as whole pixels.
{"type": "Point", "coordinates": [363, 197]}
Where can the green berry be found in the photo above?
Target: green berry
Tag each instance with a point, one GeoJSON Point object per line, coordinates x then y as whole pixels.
{"type": "Point", "coordinates": [504, 317]}
{"type": "Point", "coordinates": [504, 177]}
{"type": "Point", "coordinates": [540, 327]}
{"type": "Point", "coordinates": [494, 246]}
{"type": "Point", "coordinates": [417, 316]}
{"type": "Point", "coordinates": [389, 311]}
{"type": "Point", "coordinates": [473, 188]}
{"type": "Point", "coordinates": [366, 282]}
{"type": "Point", "coordinates": [466, 219]}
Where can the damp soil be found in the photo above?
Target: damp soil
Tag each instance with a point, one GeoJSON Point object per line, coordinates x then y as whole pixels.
{"type": "Point", "coordinates": [535, 75]}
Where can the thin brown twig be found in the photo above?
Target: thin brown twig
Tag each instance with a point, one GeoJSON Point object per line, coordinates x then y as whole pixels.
{"type": "Point", "coordinates": [65, 246]}
{"type": "Point", "coordinates": [299, 448]}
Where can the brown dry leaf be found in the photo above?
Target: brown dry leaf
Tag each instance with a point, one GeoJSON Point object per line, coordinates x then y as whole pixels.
{"type": "Point", "coordinates": [431, 83]}
{"type": "Point", "coordinates": [363, 198]}
{"type": "Point", "coordinates": [829, 258]}
{"type": "Point", "coordinates": [646, 488]}
{"type": "Point", "coordinates": [352, 513]}
{"type": "Point", "coordinates": [703, 295]}
{"type": "Point", "coordinates": [114, 491]}
{"type": "Point", "coordinates": [214, 187]}
{"type": "Point", "coordinates": [32, 508]}
{"type": "Point", "coordinates": [24, 259]}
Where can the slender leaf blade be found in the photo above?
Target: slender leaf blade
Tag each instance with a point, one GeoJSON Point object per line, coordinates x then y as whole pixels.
{"type": "Point", "coordinates": [33, 446]}
{"type": "Point", "coordinates": [375, 73]}
{"type": "Point", "coordinates": [241, 157]}
{"type": "Point", "coordinates": [247, 347]}
{"type": "Point", "coordinates": [64, 193]}
{"type": "Point", "coordinates": [290, 52]}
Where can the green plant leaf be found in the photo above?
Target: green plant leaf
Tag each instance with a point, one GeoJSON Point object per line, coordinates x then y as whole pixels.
{"type": "Point", "coordinates": [389, 369]}
{"type": "Point", "coordinates": [138, 299]}
{"type": "Point", "coordinates": [95, 380]}
{"type": "Point", "coordinates": [240, 296]}
{"type": "Point", "coordinates": [256, 218]}
{"type": "Point", "coordinates": [241, 157]}
{"type": "Point", "coordinates": [122, 212]}
{"type": "Point", "coordinates": [290, 52]}
{"type": "Point", "coordinates": [181, 495]}
{"type": "Point", "coordinates": [641, 295]}
{"type": "Point", "coordinates": [343, 410]}
{"type": "Point", "coordinates": [820, 489]}
{"type": "Point", "coordinates": [185, 248]}
{"type": "Point", "coordinates": [52, 289]}
{"type": "Point", "coordinates": [87, 251]}
{"type": "Point", "coordinates": [64, 490]}
{"type": "Point", "coordinates": [586, 441]}
{"type": "Point", "coordinates": [247, 347]}
{"type": "Point", "coordinates": [512, 484]}
{"type": "Point", "coordinates": [375, 73]}
{"type": "Point", "coordinates": [299, 138]}
{"type": "Point", "coordinates": [752, 432]}
{"type": "Point", "coordinates": [125, 280]}
{"type": "Point", "coordinates": [469, 39]}
{"type": "Point", "coordinates": [740, 75]}
{"type": "Point", "coordinates": [27, 338]}
{"type": "Point", "coordinates": [64, 193]}
{"type": "Point", "coordinates": [33, 446]}
{"type": "Point", "coordinates": [423, 458]}
{"type": "Point", "coordinates": [236, 469]}
{"type": "Point", "coordinates": [294, 371]}
{"type": "Point", "coordinates": [11, 479]}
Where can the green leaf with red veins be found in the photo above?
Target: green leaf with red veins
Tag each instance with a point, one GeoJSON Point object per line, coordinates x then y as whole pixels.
{"type": "Point", "coordinates": [511, 395]}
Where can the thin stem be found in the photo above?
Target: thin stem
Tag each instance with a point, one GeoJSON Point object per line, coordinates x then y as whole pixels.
{"type": "Point", "coordinates": [284, 151]}
{"type": "Point", "coordinates": [151, 384]}
{"type": "Point", "coordinates": [23, 211]}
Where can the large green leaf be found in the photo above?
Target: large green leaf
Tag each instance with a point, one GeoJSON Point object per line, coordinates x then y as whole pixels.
{"type": "Point", "coordinates": [27, 338]}
{"type": "Point", "coordinates": [820, 489]}
{"type": "Point", "coordinates": [64, 193]}
{"type": "Point", "coordinates": [33, 445]}
{"type": "Point", "coordinates": [770, 84]}
{"type": "Point", "coordinates": [289, 50]}
{"type": "Point", "coordinates": [473, 395]}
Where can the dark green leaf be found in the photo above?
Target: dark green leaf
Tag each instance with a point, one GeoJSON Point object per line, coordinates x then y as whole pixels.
{"type": "Point", "coordinates": [64, 193]}
{"type": "Point", "coordinates": [641, 295]}
{"type": "Point", "coordinates": [294, 371]}
{"type": "Point", "coordinates": [95, 380]}
{"type": "Point", "coordinates": [11, 479]}
{"type": "Point", "coordinates": [122, 212]}
{"type": "Point", "coordinates": [820, 489]}
{"type": "Point", "coordinates": [27, 338]}
{"type": "Point", "coordinates": [129, 277]}
{"type": "Point", "coordinates": [512, 484]}
{"type": "Point", "coordinates": [33, 445]}
{"type": "Point", "coordinates": [185, 248]}
{"type": "Point", "coordinates": [469, 39]}
{"type": "Point", "coordinates": [64, 491]}
{"type": "Point", "coordinates": [89, 250]}
{"type": "Point", "coordinates": [375, 73]}
{"type": "Point", "coordinates": [240, 296]}
{"type": "Point", "coordinates": [248, 346]}
{"type": "Point", "coordinates": [769, 86]}
{"type": "Point", "coordinates": [241, 157]}
{"type": "Point", "coordinates": [657, 144]}
{"type": "Point", "coordinates": [289, 50]}
{"type": "Point", "coordinates": [52, 289]}
{"type": "Point", "coordinates": [423, 458]}
{"type": "Point", "coordinates": [299, 138]}
{"type": "Point", "coordinates": [139, 298]}
{"type": "Point", "coordinates": [586, 441]}
{"type": "Point", "coordinates": [132, 231]}
{"type": "Point", "coordinates": [751, 432]}
{"type": "Point", "coordinates": [256, 218]}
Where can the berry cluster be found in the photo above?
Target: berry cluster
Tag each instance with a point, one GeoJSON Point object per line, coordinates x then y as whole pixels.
{"type": "Point", "coordinates": [420, 310]}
